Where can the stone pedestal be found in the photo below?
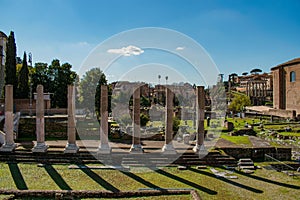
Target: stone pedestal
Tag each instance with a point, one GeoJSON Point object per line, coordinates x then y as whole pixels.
{"type": "Point", "coordinates": [104, 147]}
{"type": "Point", "coordinates": [168, 149]}
{"type": "Point", "coordinates": [168, 146]}
{"type": "Point", "coordinates": [40, 146]}
{"type": "Point", "coordinates": [136, 137]}
{"type": "Point", "coordinates": [136, 148]}
{"type": "Point", "coordinates": [200, 95]}
{"type": "Point", "coordinates": [9, 144]}
{"type": "Point", "coordinates": [200, 150]}
{"type": "Point", "coordinates": [71, 147]}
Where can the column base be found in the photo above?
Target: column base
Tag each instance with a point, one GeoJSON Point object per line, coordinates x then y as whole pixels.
{"type": "Point", "coordinates": [71, 148]}
{"type": "Point", "coordinates": [168, 149]}
{"type": "Point", "coordinates": [40, 148]}
{"type": "Point", "coordinates": [8, 147]}
{"type": "Point", "coordinates": [136, 148]}
{"type": "Point", "coordinates": [200, 150]}
{"type": "Point", "coordinates": [104, 149]}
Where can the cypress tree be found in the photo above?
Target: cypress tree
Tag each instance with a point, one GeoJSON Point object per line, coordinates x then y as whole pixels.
{"type": "Point", "coordinates": [10, 63]}
{"type": "Point", "coordinates": [23, 87]}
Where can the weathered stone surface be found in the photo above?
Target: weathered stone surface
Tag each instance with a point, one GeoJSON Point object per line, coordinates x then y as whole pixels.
{"type": "Point", "coordinates": [104, 147]}
{"type": "Point", "coordinates": [9, 144]}
{"type": "Point", "coordinates": [168, 147]}
{"type": "Point", "coordinates": [136, 139]}
{"type": "Point", "coordinates": [40, 146]}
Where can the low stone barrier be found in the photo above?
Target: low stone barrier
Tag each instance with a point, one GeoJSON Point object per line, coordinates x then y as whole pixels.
{"type": "Point", "coordinates": [63, 194]}
{"type": "Point", "coordinates": [258, 154]}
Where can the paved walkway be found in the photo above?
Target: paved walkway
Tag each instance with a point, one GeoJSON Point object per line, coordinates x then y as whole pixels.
{"type": "Point", "coordinates": [92, 145]}
{"type": "Point", "coordinates": [258, 108]}
{"type": "Point", "coordinates": [148, 146]}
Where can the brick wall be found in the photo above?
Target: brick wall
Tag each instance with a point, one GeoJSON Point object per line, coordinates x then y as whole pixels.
{"type": "Point", "coordinates": [24, 104]}
{"type": "Point", "coordinates": [286, 94]}
{"type": "Point", "coordinates": [293, 88]}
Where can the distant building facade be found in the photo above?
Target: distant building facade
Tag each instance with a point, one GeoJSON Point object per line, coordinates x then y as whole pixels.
{"type": "Point", "coordinates": [3, 41]}
{"type": "Point", "coordinates": [286, 85]}
{"type": "Point", "coordinates": [259, 87]}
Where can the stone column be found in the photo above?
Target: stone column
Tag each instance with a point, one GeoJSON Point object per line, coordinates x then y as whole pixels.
{"type": "Point", "coordinates": [200, 95]}
{"type": "Point", "coordinates": [136, 146]}
{"type": "Point", "coordinates": [104, 146]}
{"type": "Point", "coordinates": [168, 147]}
{"type": "Point", "coordinates": [9, 144]}
{"type": "Point", "coordinates": [40, 146]}
{"type": "Point", "coordinates": [71, 147]}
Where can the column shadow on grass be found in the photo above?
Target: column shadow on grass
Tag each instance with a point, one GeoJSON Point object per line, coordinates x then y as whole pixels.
{"type": "Point", "coordinates": [17, 176]}
{"type": "Point", "coordinates": [56, 177]}
{"type": "Point", "coordinates": [187, 182]}
{"type": "Point", "coordinates": [269, 181]}
{"type": "Point", "coordinates": [99, 180]}
{"type": "Point", "coordinates": [227, 181]}
{"type": "Point", "coordinates": [140, 180]}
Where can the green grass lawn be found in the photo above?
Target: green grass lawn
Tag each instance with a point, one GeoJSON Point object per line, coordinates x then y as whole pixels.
{"type": "Point", "coordinates": [241, 140]}
{"type": "Point", "coordinates": [263, 184]}
{"type": "Point", "coordinates": [289, 134]}
{"type": "Point", "coordinates": [240, 122]}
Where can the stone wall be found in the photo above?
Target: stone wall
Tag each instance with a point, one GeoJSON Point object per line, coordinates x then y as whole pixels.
{"type": "Point", "coordinates": [282, 113]}
{"type": "Point", "coordinates": [24, 104]}
{"type": "Point", "coordinates": [277, 90]}
{"type": "Point", "coordinates": [258, 154]}
{"type": "Point", "coordinates": [54, 128]}
{"type": "Point", "coordinates": [286, 92]}
{"type": "Point", "coordinates": [292, 88]}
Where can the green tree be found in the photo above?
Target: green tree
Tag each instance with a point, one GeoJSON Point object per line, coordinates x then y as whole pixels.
{"type": "Point", "coordinates": [23, 87]}
{"type": "Point", "coordinates": [55, 78]}
{"type": "Point", "coordinates": [255, 71]}
{"type": "Point", "coordinates": [40, 76]}
{"type": "Point", "coordinates": [176, 123]}
{"type": "Point", "coordinates": [145, 102]}
{"type": "Point", "coordinates": [63, 77]}
{"type": "Point", "coordinates": [90, 93]}
{"type": "Point", "coordinates": [144, 119]}
{"type": "Point", "coordinates": [10, 62]}
{"type": "Point", "coordinates": [239, 102]}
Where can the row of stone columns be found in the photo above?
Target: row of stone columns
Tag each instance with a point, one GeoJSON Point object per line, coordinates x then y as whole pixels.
{"type": "Point", "coordinates": [168, 147]}
{"type": "Point", "coordinates": [71, 147]}
{"type": "Point", "coordinates": [256, 88]}
{"type": "Point", "coordinates": [40, 146]}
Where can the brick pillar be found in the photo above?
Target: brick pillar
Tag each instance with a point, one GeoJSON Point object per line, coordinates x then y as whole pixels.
{"type": "Point", "coordinates": [200, 95]}
{"type": "Point", "coordinates": [136, 146]}
{"type": "Point", "coordinates": [168, 146]}
{"type": "Point", "coordinates": [9, 144]}
{"type": "Point", "coordinates": [40, 146]}
{"type": "Point", "coordinates": [71, 147]}
{"type": "Point", "coordinates": [104, 146]}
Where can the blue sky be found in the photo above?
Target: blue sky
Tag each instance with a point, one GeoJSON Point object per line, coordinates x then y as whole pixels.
{"type": "Point", "coordinates": [238, 35]}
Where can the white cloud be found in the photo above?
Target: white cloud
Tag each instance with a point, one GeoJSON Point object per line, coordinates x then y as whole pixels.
{"type": "Point", "coordinates": [83, 43]}
{"type": "Point", "coordinates": [127, 51]}
{"type": "Point", "coordinates": [180, 48]}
